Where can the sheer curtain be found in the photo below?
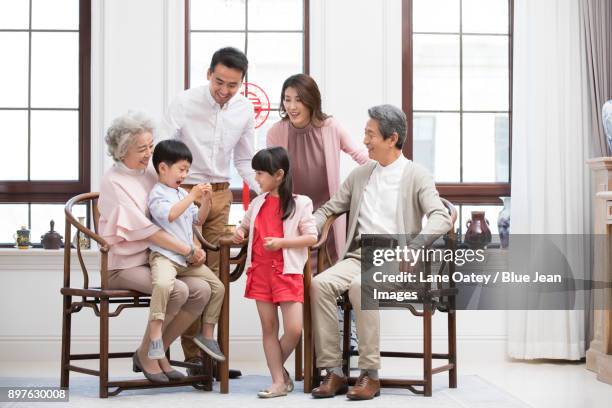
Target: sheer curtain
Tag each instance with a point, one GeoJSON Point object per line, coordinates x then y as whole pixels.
{"type": "Point", "coordinates": [550, 181]}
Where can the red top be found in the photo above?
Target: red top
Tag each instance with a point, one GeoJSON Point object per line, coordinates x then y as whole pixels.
{"type": "Point", "coordinates": [268, 223]}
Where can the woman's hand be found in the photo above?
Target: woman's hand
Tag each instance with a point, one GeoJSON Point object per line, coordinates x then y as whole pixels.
{"type": "Point", "coordinates": [198, 258]}
{"type": "Point", "coordinates": [273, 243]}
{"type": "Point", "coordinates": [238, 236]}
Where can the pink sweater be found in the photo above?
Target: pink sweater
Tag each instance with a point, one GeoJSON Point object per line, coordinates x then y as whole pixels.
{"type": "Point", "coordinates": [124, 221]}
{"type": "Point", "coordinates": [335, 139]}
{"type": "Point", "coordinates": [301, 223]}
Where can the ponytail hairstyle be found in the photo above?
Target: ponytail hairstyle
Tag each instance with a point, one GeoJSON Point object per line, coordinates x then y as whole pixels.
{"type": "Point", "coordinates": [272, 160]}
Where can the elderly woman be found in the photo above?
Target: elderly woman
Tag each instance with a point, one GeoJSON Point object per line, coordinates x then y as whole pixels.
{"type": "Point", "coordinates": [125, 225]}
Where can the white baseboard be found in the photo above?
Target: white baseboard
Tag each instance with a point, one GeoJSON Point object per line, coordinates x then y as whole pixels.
{"type": "Point", "coordinates": [244, 348]}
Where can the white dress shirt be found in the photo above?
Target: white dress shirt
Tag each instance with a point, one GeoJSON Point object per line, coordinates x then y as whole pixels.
{"type": "Point", "coordinates": [378, 212]}
{"type": "Point", "coordinates": [213, 133]}
{"type": "Point", "coordinates": [161, 200]}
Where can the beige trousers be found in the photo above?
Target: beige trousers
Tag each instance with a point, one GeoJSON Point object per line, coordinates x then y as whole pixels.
{"type": "Point", "coordinates": [212, 229]}
{"type": "Point", "coordinates": [324, 291]}
{"type": "Point", "coordinates": [164, 273]}
{"type": "Point", "coordinates": [188, 293]}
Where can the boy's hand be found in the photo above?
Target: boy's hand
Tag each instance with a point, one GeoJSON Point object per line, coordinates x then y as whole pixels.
{"type": "Point", "coordinates": [206, 191]}
{"type": "Point", "coordinates": [238, 236]}
{"type": "Point", "coordinates": [197, 191]}
{"type": "Point", "coordinates": [273, 243]}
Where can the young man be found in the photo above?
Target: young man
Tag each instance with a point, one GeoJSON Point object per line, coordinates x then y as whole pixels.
{"type": "Point", "coordinates": [216, 123]}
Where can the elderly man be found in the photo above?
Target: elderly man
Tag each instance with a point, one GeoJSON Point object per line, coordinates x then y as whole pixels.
{"type": "Point", "coordinates": [389, 195]}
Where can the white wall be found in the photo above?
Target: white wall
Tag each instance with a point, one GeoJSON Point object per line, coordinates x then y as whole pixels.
{"type": "Point", "coordinates": [137, 63]}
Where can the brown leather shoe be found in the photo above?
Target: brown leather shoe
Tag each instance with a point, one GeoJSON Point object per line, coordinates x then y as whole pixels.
{"type": "Point", "coordinates": [332, 385]}
{"type": "Point", "coordinates": [365, 389]}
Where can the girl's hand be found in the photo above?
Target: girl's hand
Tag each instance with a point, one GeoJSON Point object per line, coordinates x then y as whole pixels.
{"type": "Point", "coordinates": [238, 236]}
{"type": "Point", "coordinates": [273, 243]}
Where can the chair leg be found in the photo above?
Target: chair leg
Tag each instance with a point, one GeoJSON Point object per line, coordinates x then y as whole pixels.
{"type": "Point", "coordinates": [452, 348]}
{"type": "Point", "coordinates": [66, 336]}
{"type": "Point", "coordinates": [346, 342]}
{"type": "Point", "coordinates": [103, 348]}
{"type": "Point", "coordinates": [427, 374]}
{"type": "Point", "coordinates": [299, 376]}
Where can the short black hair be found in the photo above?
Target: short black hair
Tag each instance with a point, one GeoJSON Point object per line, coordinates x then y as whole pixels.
{"type": "Point", "coordinates": [170, 151]}
{"type": "Point", "coordinates": [232, 58]}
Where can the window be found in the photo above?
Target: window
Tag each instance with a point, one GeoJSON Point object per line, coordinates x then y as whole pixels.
{"type": "Point", "coordinates": [457, 78]}
{"type": "Point", "coordinates": [272, 33]}
{"type": "Point", "coordinates": [44, 111]}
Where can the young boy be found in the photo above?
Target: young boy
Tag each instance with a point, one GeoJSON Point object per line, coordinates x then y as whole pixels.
{"type": "Point", "coordinates": [173, 210]}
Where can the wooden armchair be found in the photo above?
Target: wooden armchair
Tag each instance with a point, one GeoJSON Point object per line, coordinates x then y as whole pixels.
{"type": "Point", "coordinates": [433, 299]}
{"type": "Point", "coordinates": [99, 300]}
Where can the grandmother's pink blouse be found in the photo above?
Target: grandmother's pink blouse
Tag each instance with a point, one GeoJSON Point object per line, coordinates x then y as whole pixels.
{"type": "Point", "coordinates": [124, 217]}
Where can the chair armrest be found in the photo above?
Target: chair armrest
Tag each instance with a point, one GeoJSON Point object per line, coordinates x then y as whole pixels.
{"type": "Point", "coordinates": [205, 244]}
{"type": "Point", "coordinates": [325, 231]}
{"type": "Point", "coordinates": [104, 246]}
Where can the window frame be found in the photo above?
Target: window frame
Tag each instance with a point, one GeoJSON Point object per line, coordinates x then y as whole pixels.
{"type": "Point", "coordinates": [237, 192]}
{"type": "Point", "coordinates": [60, 191]}
{"type": "Point", "coordinates": [459, 193]}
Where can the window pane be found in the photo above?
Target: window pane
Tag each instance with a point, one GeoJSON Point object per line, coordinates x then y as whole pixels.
{"type": "Point", "coordinates": [485, 73]}
{"type": "Point", "coordinates": [236, 214]}
{"type": "Point", "coordinates": [217, 14]}
{"type": "Point", "coordinates": [262, 131]}
{"type": "Point", "coordinates": [203, 46]}
{"type": "Point", "coordinates": [436, 144]}
{"type": "Point", "coordinates": [55, 14]}
{"type": "Point", "coordinates": [491, 213]}
{"type": "Point", "coordinates": [436, 72]}
{"type": "Point", "coordinates": [42, 214]}
{"type": "Point", "coordinates": [14, 14]}
{"type": "Point", "coordinates": [12, 218]}
{"type": "Point", "coordinates": [485, 147]}
{"type": "Point", "coordinates": [55, 70]}
{"type": "Point", "coordinates": [276, 15]}
{"type": "Point", "coordinates": [14, 70]}
{"type": "Point", "coordinates": [272, 59]}
{"type": "Point", "coordinates": [14, 144]}
{"type": "Point", "coordinates": [435, 16]}
{"type": "Point", "coordinates": [485, 16]}
{"type": "Point", "coordinates": [54, 145]}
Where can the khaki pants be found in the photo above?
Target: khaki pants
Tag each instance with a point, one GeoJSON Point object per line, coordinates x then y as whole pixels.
{"type": "Point", "coordinates": [164, 273]}
{"type": "Point", "coordinates": [211, 231]}
{"type": "Point", "coordinates": [324, 291]}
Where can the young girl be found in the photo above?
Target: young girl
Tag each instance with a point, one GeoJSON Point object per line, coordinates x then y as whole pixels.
{"type": "Point", "coordinates": [281, 227]}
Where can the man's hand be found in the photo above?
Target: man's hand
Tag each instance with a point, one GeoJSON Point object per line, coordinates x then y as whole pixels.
{"type": "Point", "coordinates": [198, 258]}
{"type": "Point", "coordinates": [238, 236]}
{"type": "Point", "coordinates": [273, 243]}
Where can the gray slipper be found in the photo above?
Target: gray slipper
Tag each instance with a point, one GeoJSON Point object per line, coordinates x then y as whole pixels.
{"type": "Point", "coordinates": [156, 378]}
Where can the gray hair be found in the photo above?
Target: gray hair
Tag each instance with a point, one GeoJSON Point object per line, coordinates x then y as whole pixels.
{"type": "Point", "coordinates": [390, 119]}
{"type": "Point", "coordinates": [120, 135]}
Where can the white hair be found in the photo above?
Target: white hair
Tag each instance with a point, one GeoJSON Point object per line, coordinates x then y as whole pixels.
{"type": "Point", "coordinates": [120, 135]}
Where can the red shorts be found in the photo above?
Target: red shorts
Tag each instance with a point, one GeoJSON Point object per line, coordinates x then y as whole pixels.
{"type": "Point", "coordinates": [268, 284]}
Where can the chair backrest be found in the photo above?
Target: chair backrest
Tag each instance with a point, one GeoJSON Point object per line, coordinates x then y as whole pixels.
{"type": "Point", "coordinates": [91, 200]}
